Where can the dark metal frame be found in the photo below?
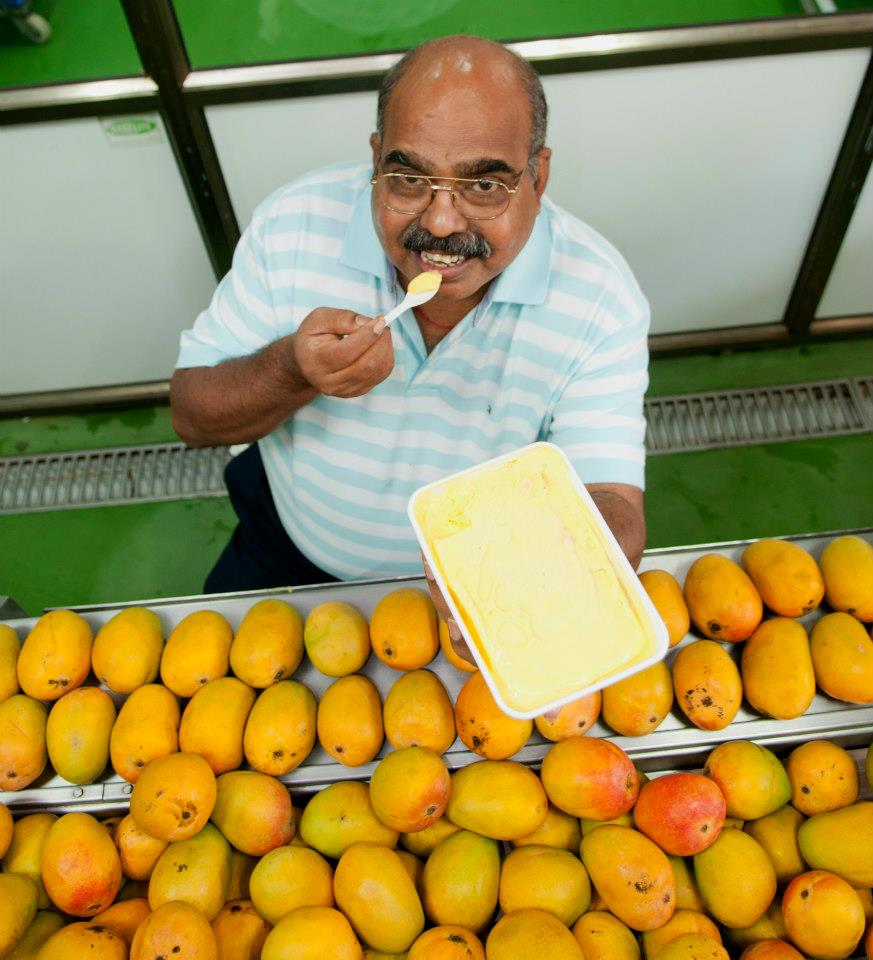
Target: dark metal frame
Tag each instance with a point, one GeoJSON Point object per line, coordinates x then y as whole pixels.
{"type": "Point", "coordinates": [181, 94]}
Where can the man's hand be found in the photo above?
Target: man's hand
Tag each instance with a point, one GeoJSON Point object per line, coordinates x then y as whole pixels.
{"type": "Point", "coordinates": [341, 354]}
{"type": "Point", "coordinates": [442, 608]}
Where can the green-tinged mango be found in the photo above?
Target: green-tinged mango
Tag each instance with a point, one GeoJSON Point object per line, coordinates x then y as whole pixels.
{"type": "Point", "coordinates": [280, 730]}
{"type": "Point", "coordinates": [687, 895]}
{"type": "Point", "coordinates": [43, 925]}
{"type": "Point", "coordinates": [841, 842]}
{"type": "Point", "coordinates": [196, 871]}
{"type": "Point", "coordinates": [77, 734]}
{"type": "Point", "coordinates": [337, 638]}
{"type": "Point", "coordinates": [777, 834]}
{"type": "Point", "coordinates": [736, 879]}
{"type": "Point", "coordinates": [751, 777]}
{"type": "Point", "coordinates": [288, 878]}
{"type": "Point", "coordinates": [25, 851]}
{"type": "Point", "coordinates": [770, 926]}
{"type": "Point", "coordinates": [776, 669]}
{"type": "Point", "coordinates": [847, 567]}
{"type": "Point", "coordinates": [18, 895]}
{"type": "Point", "coordinates": [341, 814]}
{"type": "Point", "coordinates": [23, 754]}
{"type": "Point", "coordinates": [461, 881]}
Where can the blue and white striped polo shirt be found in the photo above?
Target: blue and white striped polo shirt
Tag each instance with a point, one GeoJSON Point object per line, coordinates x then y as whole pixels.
{"type": "Point", "coordinates": [555, 351]}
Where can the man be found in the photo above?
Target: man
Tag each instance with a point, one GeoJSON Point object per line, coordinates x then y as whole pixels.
{"type": "Point", "coordinates": [538, 331]}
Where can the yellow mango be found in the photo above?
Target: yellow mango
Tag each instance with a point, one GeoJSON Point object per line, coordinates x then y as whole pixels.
{"type": "Point", "coordinates": [349, 720]}
{"type": "Point", "coordinates": [56, 655]}
{"type": "Point", "coordinates": [418, 713]}
{"type": "Point", "coordinates": [280, 730]}
{"type": "Point", "coordinates": [337, 638]}
{"type": "Point", "coordinates": [373, 889]}
{"type": "Point", "coordinates": [84, 939]}
{"type": "Point", "coordinates": [174, 929]}
{"type": "Point", "coordinates": [461, 881]}
{"type": "Point", "coordinates": [268, 646]}
{"type": "Point", "coordinates": [253, 811]}
{"type": "Point", "coordinates": [633, 876]}
{"type": "Point", "coordinates": [693, 946]}
{"type": "Point", "coordinates": [847, 567]}
{"type": "Point", "coordinates": [196, 871]}
{"type": "Point", "coordinates": [18, 894]}
{"type": "Point", "coordinates": [841, 842]}
{"type": "Point", "coordinates": [7, 828]}
{"type": "Point", "coordinates": [772, 949]}
{"type": "Point", "coordinates": [707, 684]}
{"type": "Point", "coordinates": [214, 721]}
{"type": "Point", "coordinates": [786, 576]}
{"type": "Point", "coordinates": [174, 796]}
{"type": "Point", "coordinates": [638, 704]}
{"type": "Point", "coordinates": [341, 814]}
{"type": "Point", "coordinates": [500, 799]}
{"type": "Point", "coordinates": [823, 915]}
{"type": "Point", "coordinates": [147, 727]}
{"type": "Point", "coordinates": [413, 866]}
{"type": "Point", "coordinates": [138, 851]}
{"type": "Point", "coordinates": [687, 895]}
{"type": "Point", "coordinates": [124, 916]}
{"type": "Point", "coordinates": [572, 720]}
{"type": "Point", "coordinates": [823, 777]}
{"type": "Point", "coordinates": [290, 877]}
{"type": "Point", "coordinates": [447, 943]}
{"type": "Point", "coordinates": [403, 629]}
{"type": "Point", "coordinates": [10, 647]}
{"type": "Point", "coordinates": [241, 867]}
{"type": "Point", "coordinates": [409, 789]}
{"type": "Point", "coordinates": [587, 824]}
{"type": "Point", "coordinates": [604, 937]}
{"type": "Point", "coordinates": [312, 933]}
{"type": "Point", "coordinates": [239, 931]}
{"type": "Point", "coordinates": [681, 923]}
{"type": "Point", "coordinates": [77, 734]}
{"type": "Point", "coordinates": [777, 834]}
{"type": "Point", "coordinates": [127, 650]}
{"type": "Point", "coordinates": [422, 843]}
{"type": "Point", "coordinates": [866, 896]}
{"type": "Point", "coordinates": [751, 777]}
{"type": "Point", "coordinates": [483, 727]}
{"type": "Point", "coordinates": [842, 656]}
{"type": "Point", "coordinates": [23, 753]}
{"type": "Point", "coordinates": [770, 926]}
{"type": "Point", "coordinates": [43, 925]}
{"type": "Point", "coordinates": [543, 878]}
{"type": "Point", "coordinates": [736, 879]}
{"type": "Point", "coordinates": [197, 651]}
{"type": "Point", "coordinates": [79, 865]}
{"type": "Point", "coordinates": [529, 935]}
{"type": "Point", "coordinates": [776, 669]}
{"type": "Point", "coordinates": [24, 854]}
{"type": "Point", "coordinates": [558, 830]}
{"type": "Point", "coordinates": [722, 600]}
{"type": "Point", "coordinates": [666, 596]}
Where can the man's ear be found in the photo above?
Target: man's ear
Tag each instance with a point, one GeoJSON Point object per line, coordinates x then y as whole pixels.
{"type": "Point", "coordinates": [375, 146]}
{"type": "Point", "coordinates": [544, 157]}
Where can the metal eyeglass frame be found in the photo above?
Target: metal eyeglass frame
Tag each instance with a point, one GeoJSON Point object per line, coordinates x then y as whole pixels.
{"type": "Point", "coordinates": [511, 191]}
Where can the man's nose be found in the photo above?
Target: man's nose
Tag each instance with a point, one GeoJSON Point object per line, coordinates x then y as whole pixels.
{"type": "Point", "coordinates": [442, 218]}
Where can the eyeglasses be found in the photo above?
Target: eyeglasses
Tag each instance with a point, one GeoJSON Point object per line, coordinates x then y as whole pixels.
{"type": "Point", "coordinates": [412, 193]}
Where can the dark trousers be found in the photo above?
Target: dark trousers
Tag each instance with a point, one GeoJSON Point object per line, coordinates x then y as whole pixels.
{"type": "Point", "coordinates": [260, 553]}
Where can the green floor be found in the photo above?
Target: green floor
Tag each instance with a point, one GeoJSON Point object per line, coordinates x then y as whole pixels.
{"type": "Point", "coordinates": [141, 551]}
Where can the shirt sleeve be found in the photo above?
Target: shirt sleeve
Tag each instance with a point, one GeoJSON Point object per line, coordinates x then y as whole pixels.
{"type": "Point", "coordinates": [599, 420]}
{"type": "Point", "coordinates": [241, 318]}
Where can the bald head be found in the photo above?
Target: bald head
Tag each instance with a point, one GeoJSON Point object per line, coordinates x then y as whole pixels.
{"type": "Point", "coordinates": [471, 60]}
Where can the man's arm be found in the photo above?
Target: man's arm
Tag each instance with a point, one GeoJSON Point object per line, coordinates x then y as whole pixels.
{"type": "Point", "coordinates": [621, 506]}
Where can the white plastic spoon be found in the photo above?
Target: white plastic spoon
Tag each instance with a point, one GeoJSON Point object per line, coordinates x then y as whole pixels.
{"type": "Point", "coordinates": [419, 291]}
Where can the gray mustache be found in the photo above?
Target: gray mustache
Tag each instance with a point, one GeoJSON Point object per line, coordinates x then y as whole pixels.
{"type": "Point", "coordinates": [417, 239]}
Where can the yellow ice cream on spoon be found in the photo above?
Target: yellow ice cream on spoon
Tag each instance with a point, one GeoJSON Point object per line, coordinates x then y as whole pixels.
{"type": "Point", "coordinates": [419, 291]}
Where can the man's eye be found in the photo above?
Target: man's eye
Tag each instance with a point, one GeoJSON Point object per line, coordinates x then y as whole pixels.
{"type": "Point", "coordinates": [484, 186]}
{"type": "Point", "coordinates": [410, 181]}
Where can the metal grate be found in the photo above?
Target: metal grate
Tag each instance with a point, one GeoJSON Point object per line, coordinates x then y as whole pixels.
{"type": "Point", "coordinates": [86, 478]}
{"type": "Point", "coordinates": [731, 418]}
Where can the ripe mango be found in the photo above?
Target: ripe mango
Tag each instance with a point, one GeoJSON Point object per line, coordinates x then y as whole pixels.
{"type": "Point", "coordinates": [687, 895]}
{"type": "Point", "coordinates": [666, 596]}
{"type": "Point", "coordinates": [123, 917]}
{"type": "Point", "coordinates": [770, 950]}
{"type": "Point", "coordinates": [823, 915]}
{"type": "Point", "coordinates": [337, 638]}
{"type": "Point", "coordinates": [770, 926]}
{"type": "Point", "coordinates": [707, 684]}
{"type": "Point", "coordinates": [735, 879]}
{"type": "Point", "coordinates": [290, 877]}
{"type": "Point", "coordinates": [7, 828]}
{"type": "Point", "coordinates": [240, 931]}
{"type": "Point", "coordinates": [18, 894]}
{"type": "Point", "coordinates": [241, 867]}
{"type": "Point", "coordinates": [572, 720]}
{"type": "Point", "coordinates": [409, 789]}
{"type": "Point", "coordinates": [23, 753]}
{"type": "Point", "coordinates": [79, 865]}
{"type": "Point", "coordinates": [138, 851]}
{"type": "Point", "coordinates": [447, 943]}
{"type": "Point", "coordinates": [84, 939]}
{"type": "Point", "coordinates": [841, 842]}
{"type": "Point", "coordinates": [312, 933]}
{"type": "Point", "coordinates": [349, 720]}
{"type": "Point", "coordinates": [214, 720]}
{"type": "Point", "coordinates": [56, 655]}
{"type": "Point", "coordinates": [196, 652]}
{"type": "Point", "coordinates": [147, 727]}
{"type": "Point", "coordinates": [127, 650]}
{"type": "Point", "coordinates": [632, 874]}
{"type": "Point", "coordinates": [722, 600]}
{"type": "Point", "coordinates": [681, 923]}
{"type": "Point", "coordinates": [280, 730]}
{"type": "Point", "coordinates": [842, 656]}
{"type": "Point", "coordinates": [174, 797]}
{"type": "Point", "coordinates": [10, 647]}
{"type": "Point", "coordinates": [461, 880]}
{"type": "Point", "coordinates": [175, 926]}
{"type": "Point", "coordinates": [558, 830]}
{"type": "Point", "coordinates": [638, 704]}
{"type": "Point", "coordinates": [419, 713]}
{"type": "Point", "coordinates": [590, 777]}
{"type": "Point", "coordinates": [43, 925]}
{"type": "Point", "coordinates": [786, 576]}
{"type": "Point", "coordinates": [341, 814]}
{"type": "Point", "coordinates": [543, 878]}
{"type": "Point", "coordinates": [847, 567]}
{"type": "Point", "coordinates": [403, 629]}
{"type": "Point", "coordinates": [604, 937]}
{"type": "Point", "coordinates": [499, 799]}
{"type": "Point", "coordinates": [483, 727]}
{"type": "Point", "coordinates": [268, 646]}
{"type": "Point", "coordinates": [373, 889]}
{"type": "Point", "coordinates": [682, 813]}
{"type": "Point", "coordinates": [777, 834]}
{"type": "Point", "coordinates": [530, 935]}
{"type": "Point", "coordinates": [622, 820]}
{"type": "Point", "coordinates": [693, 946]}
{"type": "Point", "coordinates": [24, 854]}
{"type": "Point", "coordinates": [253, 811]}
{"type": "Point", "coordinates": [77, 734]}
{"type": "Point", "coordinates": [823, 777]}
{"type": "Point", "coordinates": [423, 842]}
{"type": "Point", "coordinates": [196, 870]}
{"type": "Point", "coordinates": [776, 669]}
{"type": "Point", "coordinates": [751, 777]}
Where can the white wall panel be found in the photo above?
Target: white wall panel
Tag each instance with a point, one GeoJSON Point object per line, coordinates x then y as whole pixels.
{"type": "Point", "coordinates": [101, 261]}
{"type": "Point", "coordinates": [707, 176]}
{"type": "Point", "coordinates": [849, 291]}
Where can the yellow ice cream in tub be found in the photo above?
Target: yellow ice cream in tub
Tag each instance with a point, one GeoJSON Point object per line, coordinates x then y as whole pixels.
{"type": "Point", "coordinates": [548, 603]}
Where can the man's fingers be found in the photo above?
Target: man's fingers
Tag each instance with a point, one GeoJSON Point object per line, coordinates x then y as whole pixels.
{"type": "Point", "coordinates": [439, 601]}
{"type": "Point", "coordinates": [459, 644]}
